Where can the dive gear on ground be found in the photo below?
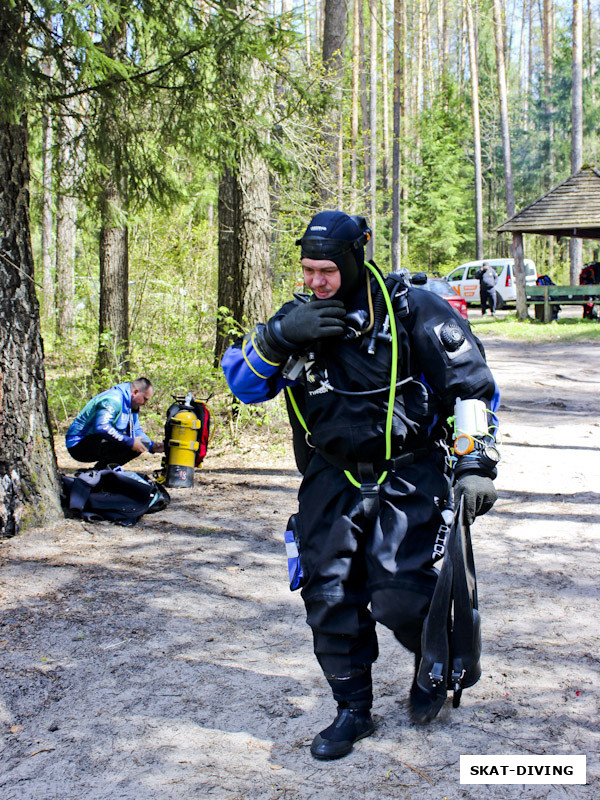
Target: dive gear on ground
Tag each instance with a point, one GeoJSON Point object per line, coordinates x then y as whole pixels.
{"type": "Point", "coordinates": [187, 434]}
{"type": "Point", "coordinates": [111, 495]}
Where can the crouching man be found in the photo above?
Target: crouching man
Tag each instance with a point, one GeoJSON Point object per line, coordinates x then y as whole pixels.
{"type": "Point", "coordinates": [108, 430]}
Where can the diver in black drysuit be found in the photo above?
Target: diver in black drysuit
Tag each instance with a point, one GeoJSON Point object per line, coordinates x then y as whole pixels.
{"type": "Point", "coordinates": [367, 551]}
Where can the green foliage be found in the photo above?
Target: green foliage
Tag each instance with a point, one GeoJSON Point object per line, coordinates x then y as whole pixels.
{"type": "Point", "coordinates": [439, 216]}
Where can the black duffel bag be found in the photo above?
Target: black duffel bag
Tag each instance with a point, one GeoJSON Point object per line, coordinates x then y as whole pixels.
{"type": "Point", "coordinates": [113, 495]}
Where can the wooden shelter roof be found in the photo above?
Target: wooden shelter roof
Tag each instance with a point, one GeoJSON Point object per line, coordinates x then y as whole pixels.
{"type": "Point", "coordinates": [570, 209]}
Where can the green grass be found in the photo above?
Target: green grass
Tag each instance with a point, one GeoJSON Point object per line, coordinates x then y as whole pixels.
{"type": "Point", "coordinates": [564, 330]}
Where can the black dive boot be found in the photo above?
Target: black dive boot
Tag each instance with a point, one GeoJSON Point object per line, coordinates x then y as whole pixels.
{"type": "Point", "coordinates": [350, 725]}
{"type": "Point", "coordinates": [425, 705]}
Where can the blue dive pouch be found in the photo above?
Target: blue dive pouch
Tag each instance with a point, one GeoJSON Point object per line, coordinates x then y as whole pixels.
{"type": "Point", "coordinates": [293, 556]}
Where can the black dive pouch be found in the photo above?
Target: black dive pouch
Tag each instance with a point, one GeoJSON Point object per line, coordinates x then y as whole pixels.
{"type": "Point", "coordinates": [293, 555]}
{"type": "Point", "coordinates": [451, 638]}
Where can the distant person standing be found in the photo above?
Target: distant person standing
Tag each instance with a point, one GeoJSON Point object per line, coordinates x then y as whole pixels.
{"type": "Point", "coordinates": [487, 278]}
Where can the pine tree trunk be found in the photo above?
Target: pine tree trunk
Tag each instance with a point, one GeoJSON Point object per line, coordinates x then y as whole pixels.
{"type": "Point", "coordinates": [46, 226]}
{"type": "Point", "coordinates": [590, 58]}
{"type": "Point", "coordinates": [244, 290]}
{"type": "Point", "coordinates": [46, 221]}
{"type": "Point", "coordinates": [354, 108]}
{"type": "Point", "coordinates": [244, 283]}
{"type": "Point", "coordinates": [405, 130]}
{"type": "Point", "coordinates": [548, 46]}
{"type": "Point", "coordinates": [575, 248]}
{"type": "Point", "coordinates": [113, 350]}
{"type": "Point", "coordinates": [364, 100]}
{"type": "Point", "coordinates": [66, 220]}
{"type": "Point", "coordinates": [385, 121]}
{"type": "Point", "coordinates": [473, 60]}
{"type": "Point", "coordinates": [397, 113]}
{"type": "Point", "coordinates": [334, 36]}
{"type": "Point", "coordinates": [373, 119]}
{"type": "Point", "coordinates": [528, 6]}
{"type": "Point", "coordinates": [307, 33]}
{"type": "Point", "coordinates": [29, 491]}
{"type": "Point", "coordinates": [113, 345]}
{"type": "Point", "coordinates": [508, 178]}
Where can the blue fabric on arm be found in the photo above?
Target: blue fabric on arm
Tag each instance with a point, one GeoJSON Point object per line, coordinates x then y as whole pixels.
{"type": "Point", "coordinates": [109, 414]}
{"type": "Point", "coordinates": [250, 377]}
{"type": "Point", "coordinates": [104, 423]}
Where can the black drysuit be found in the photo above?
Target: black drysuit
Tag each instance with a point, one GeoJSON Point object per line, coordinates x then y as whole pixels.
{"type": "Point", "coordinates": [368, 557]}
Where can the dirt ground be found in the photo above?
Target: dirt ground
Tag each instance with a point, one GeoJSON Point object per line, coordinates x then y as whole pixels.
{"type": "Point", "coordinates": [169, 661]}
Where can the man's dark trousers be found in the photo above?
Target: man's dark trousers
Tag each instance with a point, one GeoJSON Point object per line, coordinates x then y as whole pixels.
{"type": "Point", "coordinates": [488, 297]}
{"type": "Point", "coordinates": [350, 562]}
{"type": "Point", "coordinates": [103, 450]}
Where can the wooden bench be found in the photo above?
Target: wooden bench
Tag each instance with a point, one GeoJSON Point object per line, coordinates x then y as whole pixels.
{"type": "Point", "coordinates": [544, 297]}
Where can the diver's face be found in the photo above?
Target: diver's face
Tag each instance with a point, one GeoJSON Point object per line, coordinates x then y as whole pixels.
{"type": "Point", "coordinates": [322, 277]}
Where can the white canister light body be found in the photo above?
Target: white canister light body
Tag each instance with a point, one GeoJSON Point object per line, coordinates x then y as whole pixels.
{"type": "Point", "coordinates": [470, 416]}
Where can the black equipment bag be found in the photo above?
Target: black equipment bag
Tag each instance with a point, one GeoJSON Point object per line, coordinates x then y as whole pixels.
{"type": "Point", "coordinates": [451, 638]}
{"type": "Point", "coordinates": [113, 495]}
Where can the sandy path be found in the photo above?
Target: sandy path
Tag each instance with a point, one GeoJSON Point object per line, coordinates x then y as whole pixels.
{"type": "Point", "coordinates": [170, 660]}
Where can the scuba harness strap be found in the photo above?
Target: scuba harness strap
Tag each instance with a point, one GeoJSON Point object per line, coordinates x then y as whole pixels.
{"type": "Point", "coordinates": [368, 482]}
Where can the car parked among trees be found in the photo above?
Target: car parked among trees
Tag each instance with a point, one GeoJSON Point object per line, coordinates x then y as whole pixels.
{"type": "Point", "coordinates": [463, 279]}
{"type": "Point", "coordinates": [440, 287]}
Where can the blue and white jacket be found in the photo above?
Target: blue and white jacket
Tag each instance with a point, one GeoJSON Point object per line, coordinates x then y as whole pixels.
{"type": "Point", "coordinates": [108, 413]}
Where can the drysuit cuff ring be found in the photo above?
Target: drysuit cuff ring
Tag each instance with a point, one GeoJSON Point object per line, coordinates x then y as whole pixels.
{"type": "Point", "coordinates": [272, 346]}
{"type": "Point", "coordinates": [474, 464]}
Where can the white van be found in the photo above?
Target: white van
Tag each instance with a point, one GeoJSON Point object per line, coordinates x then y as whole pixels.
{"type": "Point", "coordinates": [466, 284]}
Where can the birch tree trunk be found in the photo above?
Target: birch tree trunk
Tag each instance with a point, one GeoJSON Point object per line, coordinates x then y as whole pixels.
{"type": "Point", "coordinates": [506, 154]}
{"type": "Point", "coordinates": [575, 246]}
{"type": "Point", "coordinates": [474, 67]}
{"type": "Point", "coordinates": [29, 483]}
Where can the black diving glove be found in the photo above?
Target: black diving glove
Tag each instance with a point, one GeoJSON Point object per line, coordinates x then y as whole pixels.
{"type": "Point", "coordinates": [479, 493]}
{"type": "Point", "coordinates": [318, 319]}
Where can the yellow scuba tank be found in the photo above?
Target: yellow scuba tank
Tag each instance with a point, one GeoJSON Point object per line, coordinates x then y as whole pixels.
{"type": "Point", "coordinates": [181, 443]}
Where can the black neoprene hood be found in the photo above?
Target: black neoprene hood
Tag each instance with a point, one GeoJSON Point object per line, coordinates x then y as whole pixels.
{"type": "Point", "coordinates": [335, 236]}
